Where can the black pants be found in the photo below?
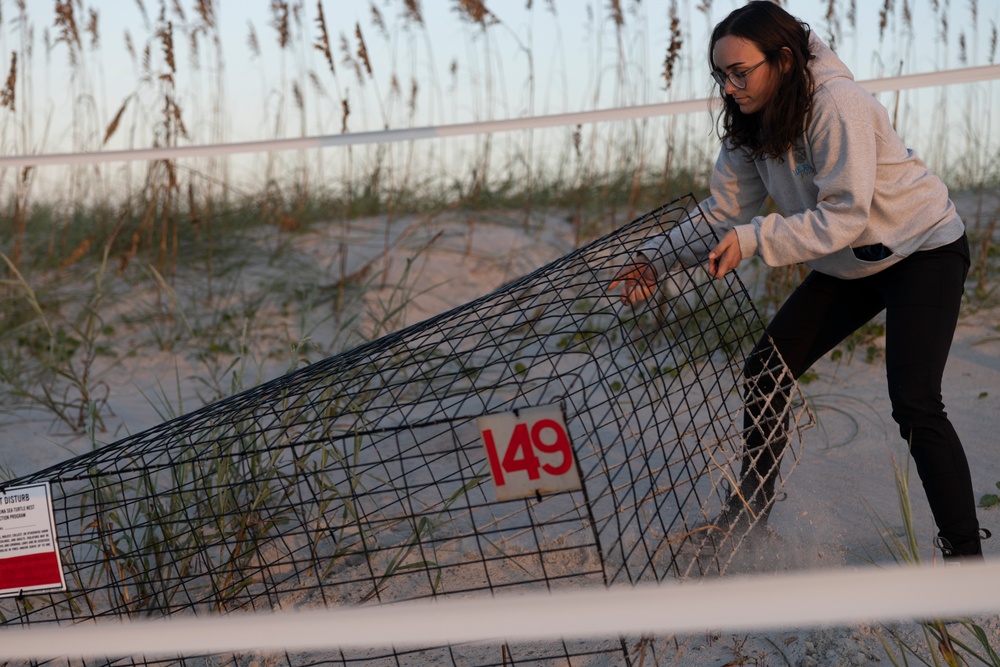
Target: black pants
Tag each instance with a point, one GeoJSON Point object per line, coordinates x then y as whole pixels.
{"type": "Point", "coordinates": [921, 296]}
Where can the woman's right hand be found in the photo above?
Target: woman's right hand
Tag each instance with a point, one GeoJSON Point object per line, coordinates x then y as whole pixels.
{"type": "Point", "coordinates": [637, 279]}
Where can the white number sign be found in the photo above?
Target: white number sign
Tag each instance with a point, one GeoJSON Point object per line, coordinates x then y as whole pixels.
{"type": "Point", "coordinates": [529, 452]}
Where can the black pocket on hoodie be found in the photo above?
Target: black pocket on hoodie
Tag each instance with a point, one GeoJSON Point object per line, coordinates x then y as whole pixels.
{"type": "Point", "coordinates": [872, 253]}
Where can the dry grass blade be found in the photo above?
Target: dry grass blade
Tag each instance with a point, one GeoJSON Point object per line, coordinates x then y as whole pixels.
{"type": "Point", "coordinates": [362, 49]}
{"type": "Point", "coordinates": [142, 10]}
{"type": "Point", "coordinates": [206, 10]}
{"type": "Point", "coordinates": [69, 33]}
{"type": "Point", "coordinates": [883, 18]}
{"type": "Point", "coordinates": [475, 11]}
{"type": "Point", "coordinates": [617, 17]}
{"type": "Point", "coordinates": [280, 13]}
{"type": "Point", "coordinates": [412, 11]}
{"type": "Point", "coordinates": [130, 47]}
{"type": "Point", "coordinates": [323, 45]}
{"type": "Point", "coordinates": [674, 48]}
{"type": "Point", "coordinates": [147, 62]}
{"type": "Point", "coordinates": [113, 125]}
{"type": "Point", "coordinates": [92, 28]}
{"type": "Point", "coordinates": [8, 94]}
{"type": "Point", "coordinates": [30, 294]}
{"type": "Point", "coordinates": [379, 22]}
{"type": "Point", "coordinates": [179, 11]}
{"type": "Point", "coordinates": [165, 33]}
{"type": "Point", "coordinates": [833, 21]}
{"type": "Point", "coordinates": [193, 38]}
{"type": "Point", "coordinates": [316, 83]}
{"type": "Point", "coordinates": [252, 42]}
{"type": "Point", "coordinates": [348, 57]}
{"type": "Point", "coordinates": [78, 253]}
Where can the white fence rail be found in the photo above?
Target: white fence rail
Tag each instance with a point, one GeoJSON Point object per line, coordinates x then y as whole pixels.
{"type": "Point", "coordinates": [910, 81]}
{"type": "Point", "coordinates": [804, 599]}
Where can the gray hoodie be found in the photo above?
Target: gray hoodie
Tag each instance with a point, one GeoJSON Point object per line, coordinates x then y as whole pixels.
{"type": "Point", "coordinates": [848, 182]}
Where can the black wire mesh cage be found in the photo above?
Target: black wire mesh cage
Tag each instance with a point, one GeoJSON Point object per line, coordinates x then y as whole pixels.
{"type": "Point", "coordinates": [364, 478]}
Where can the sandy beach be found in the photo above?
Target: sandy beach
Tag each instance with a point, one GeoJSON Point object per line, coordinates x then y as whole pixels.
{"type": "Point", "coordinates": [838, 494]}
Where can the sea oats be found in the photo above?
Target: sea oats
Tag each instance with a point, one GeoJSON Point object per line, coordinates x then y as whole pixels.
{"type": "Point", "coordinates": [617, 17]}
{"type": "Point", "coordinates": [113, 125]}
{"type": "Point", "coordinates": [316, 83]}
{"type": "Point", "coordinates": [92, 28]}
{"type": "Point", "coordinates": [412, 11]}
{"type": "Point", "coordinates": [69, 33]}
{"type": "Point", "coordinates": [323, 43]}
{"type": "Point", "coordinates": [362, 49]}
{"type": "Point", "coordinates": [252, 42]}
{"type": "Point", "coordinates": [206, 10]}
{"type": "Point", "coordinates": [475, 11]}
{"type": "Point", "coordinates": [347, 57]}
{"type": "Point", "coordinates": [883, 18]}
{"type": "Point", "coordinates": [674, 48]}
{"type": "Point", "coordinates": [993, 41]}
{"type": "Point", "coordinates": [378, 21]}
{"type": "Point", "coordinates": [832, 22]}
{"type": "Point", "coordinates": [8, 94]}
{"type": "Point", "coordinates": [279, 21]}
{"type": "Point", "coordinates": [165, 33]}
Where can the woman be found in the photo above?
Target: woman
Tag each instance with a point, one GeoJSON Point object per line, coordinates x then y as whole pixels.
{"type": "Point", "coordinates": [864, 213]}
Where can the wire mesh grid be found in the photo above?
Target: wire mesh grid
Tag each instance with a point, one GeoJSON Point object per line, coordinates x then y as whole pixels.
{"type": "Point", "coordinates": [362, 479]}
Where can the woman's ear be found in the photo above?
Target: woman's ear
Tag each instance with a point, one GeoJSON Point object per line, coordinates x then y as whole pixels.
{"type": "Point", "coordinates": [785, 60]}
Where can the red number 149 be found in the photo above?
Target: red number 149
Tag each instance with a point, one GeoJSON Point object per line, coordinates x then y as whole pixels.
{"type": "Point", "coordinates": [545, 435]}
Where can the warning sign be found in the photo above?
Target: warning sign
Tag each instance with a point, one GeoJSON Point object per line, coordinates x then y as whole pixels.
{"type": "Point", "coordinates": [29, 553]}
{"type": "Point", "coordinates": [529, 452]}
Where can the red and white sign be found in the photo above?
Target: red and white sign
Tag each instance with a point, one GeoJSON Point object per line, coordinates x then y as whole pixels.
{"type": "Point", "coordinates": [529, 452]}
{"type": "Point", "coordinates": [29, 554]}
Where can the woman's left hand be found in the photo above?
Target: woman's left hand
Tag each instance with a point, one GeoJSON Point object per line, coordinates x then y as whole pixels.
{"type": "Point", "coordinates": [726, 256]}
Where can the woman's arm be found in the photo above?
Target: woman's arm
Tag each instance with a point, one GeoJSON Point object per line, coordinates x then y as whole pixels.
{"type": "Point", "coordinates": [738, 192]}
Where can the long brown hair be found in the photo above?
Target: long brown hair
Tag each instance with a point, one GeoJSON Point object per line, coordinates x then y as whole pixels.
{"type": "Point", "coordinates": [782, 38]}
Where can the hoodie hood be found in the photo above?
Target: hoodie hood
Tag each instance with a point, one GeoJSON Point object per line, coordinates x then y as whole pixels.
{"type": "Point", "coordinates": [825, 64]}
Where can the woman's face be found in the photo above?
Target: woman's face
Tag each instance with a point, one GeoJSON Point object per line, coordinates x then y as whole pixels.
{"type": "Point", "coordinates": [737, 55]}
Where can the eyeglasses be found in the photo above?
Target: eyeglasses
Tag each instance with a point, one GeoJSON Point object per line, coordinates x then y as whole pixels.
{"type": "Point", "coordinates": [738, 79]}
